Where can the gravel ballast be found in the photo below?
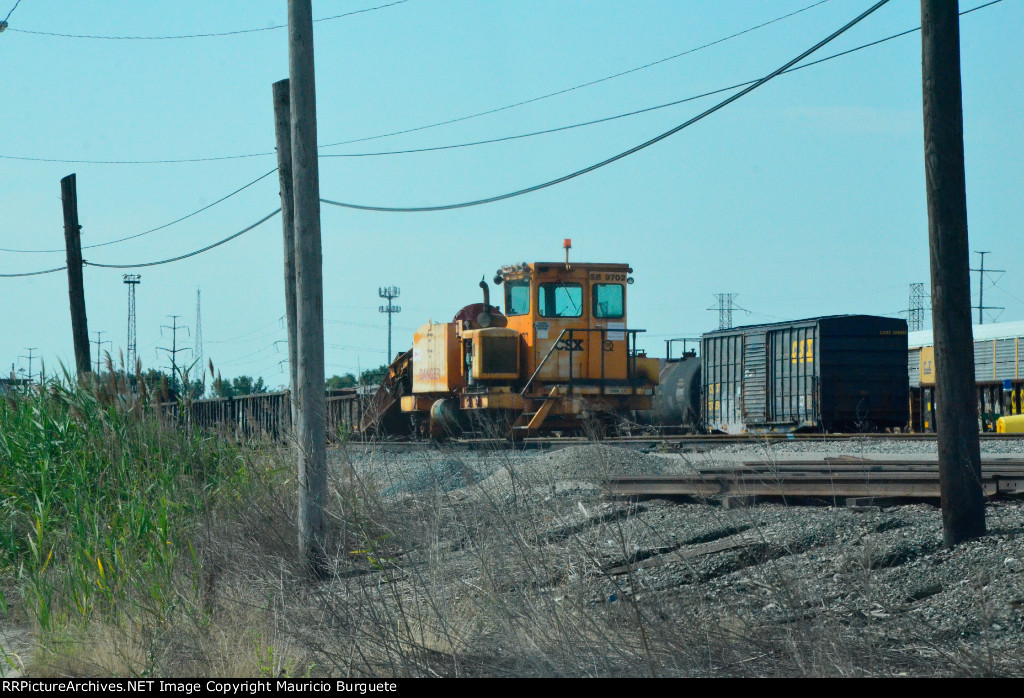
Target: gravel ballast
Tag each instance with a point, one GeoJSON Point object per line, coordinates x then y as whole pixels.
{"type": "Point", "coordinates": [772, 589]}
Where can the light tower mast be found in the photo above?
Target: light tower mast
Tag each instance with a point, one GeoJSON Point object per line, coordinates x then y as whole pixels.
{"type": "Point", "coordinates": [390, 293]}
{"type": "Point", "coordinates": [132, 280]}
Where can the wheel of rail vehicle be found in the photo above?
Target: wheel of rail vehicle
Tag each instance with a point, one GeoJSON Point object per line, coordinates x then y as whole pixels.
{"type": "Point", "coordinates": [419, 426]}
{"type": "Point", "coordinates": [446, 420]}
{"type": "Point", "coordinates": [599, 425]}
{"type": "Point", "coordinates": [491, 424]}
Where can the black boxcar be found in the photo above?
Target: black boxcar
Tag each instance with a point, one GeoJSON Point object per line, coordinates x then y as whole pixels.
{"type": "Point", "coordinates": [837, 373]}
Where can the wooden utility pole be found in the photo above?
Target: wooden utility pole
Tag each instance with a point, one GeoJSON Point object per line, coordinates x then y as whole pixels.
{"type": "Point", "coordinates": [76, 287]}
{"type": "Point", "coordinates": [956, 414]}
{"type": "Point", "coordinates": [309, 307]}
{"type": "Point", "coordinates": [283, 130]}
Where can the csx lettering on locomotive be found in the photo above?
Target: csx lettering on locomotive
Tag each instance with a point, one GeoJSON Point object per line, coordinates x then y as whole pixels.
{"type": "Point", "coordinates": [569, 345]}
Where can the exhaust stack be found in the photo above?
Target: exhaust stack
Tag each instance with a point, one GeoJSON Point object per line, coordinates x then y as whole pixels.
{"type": "Point", "coordinates": [484, 318]}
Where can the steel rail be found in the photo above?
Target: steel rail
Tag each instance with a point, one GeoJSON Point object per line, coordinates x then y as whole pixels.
{"type": "Point", "coordinates": [817, 479]}
{"type": "Point", "coordinates": [666, 443]}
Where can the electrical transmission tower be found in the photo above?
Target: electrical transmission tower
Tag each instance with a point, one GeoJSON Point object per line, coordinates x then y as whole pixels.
{"type": "Point", "coordinates": [132, 280]}
{"type": "Point", "coordinates": [173, 351]}
{"type": "Point", "coordinates": [724, 308]}
{"type": "Point", "coordinates": [390, 293]}
{"type": "Point", "coordinates": [981, 289]}
{"type": "Point", "coordinates": [197, 352]}
{"type": "Point", "coordinates": [99, 342]}
{"type": "Point", "coordinates": [29, 357]}
{"type": "Point", "coordinates": [915, 314]}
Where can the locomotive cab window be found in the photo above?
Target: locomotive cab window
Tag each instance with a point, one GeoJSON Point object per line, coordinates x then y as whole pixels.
{"type": "Point", "coordinates": [609, 300]}
{"type": "Point", "coordinates": [559, 299]}
{"type": "Point", "coordinates": [517, 298]}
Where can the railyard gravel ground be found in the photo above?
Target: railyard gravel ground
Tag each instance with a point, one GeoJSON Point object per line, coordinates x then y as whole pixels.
{"type": "Point", "coordinates": [687, 587]}
{"type": "Point", "coordinates": [452, 562]}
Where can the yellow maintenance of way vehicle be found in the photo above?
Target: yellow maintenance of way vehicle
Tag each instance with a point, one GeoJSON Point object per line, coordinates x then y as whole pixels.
{"type": "Point", "coordinates": [559, 355]}
{"type": "Point", "coordinates": [1010, 424]}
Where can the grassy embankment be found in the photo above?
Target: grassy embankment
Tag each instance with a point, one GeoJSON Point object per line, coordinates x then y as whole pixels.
{"type": "Point", "coordinates": [106, 517]}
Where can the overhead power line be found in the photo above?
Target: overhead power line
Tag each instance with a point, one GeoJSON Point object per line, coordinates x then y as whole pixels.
{"type": "Point", "coordinates": [563, 91]}
{"type": "Point", "coordinates": [152, 230]}
{"type": "Point", "coordinates": [531, 134]}
{"type": "Point", "coordinates": [198, 36]}
{"type": "Point", "coordinates": [1003, 290]}
{"type": "Point", "coordinates": [635, 112]}
{"type": "Point", "coordinates": [368, 325]}
{"type": "Point", "coordinates": [190, 254]}
{"type": "Point", "coordinates": [246, 336]}
{"type": "Point", "coordinates": [487, 141]}
{"type": "Point", "coordinates": [253, 337]}
{"type": "Point", "coordinates": [632, 70]}
{"type": "Point", "coordinates": [171, 161]}
{"type": "Point", "coordinates": [428, 126]}
{"type": "Point", "coordinates": [343, 346]}
{"type": "Point", "coordinates": [236, 359]}
{"type": "Point", "coordinates": [33, 273]}
{"type": "Point", "coordinates": [9, 15]}
{"type": "Point", "coordinates": [627, 153]}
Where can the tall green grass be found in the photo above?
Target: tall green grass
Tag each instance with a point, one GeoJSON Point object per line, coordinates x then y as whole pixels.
{"type": "Point", "coordinates": [98, 498]}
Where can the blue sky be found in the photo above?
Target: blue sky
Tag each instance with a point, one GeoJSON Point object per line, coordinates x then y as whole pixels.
{"type": "Point", "coordinates": [805, 197]}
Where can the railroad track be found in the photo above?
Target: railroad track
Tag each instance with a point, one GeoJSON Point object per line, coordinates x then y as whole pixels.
{"type": "Point", "coordinates": [667, 442]}
{"type": "Point", "coordinates": [831, 479]}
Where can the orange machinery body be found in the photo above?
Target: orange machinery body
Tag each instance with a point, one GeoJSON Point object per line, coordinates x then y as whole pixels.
{"type": "Point", "coordinates": [561, 348]}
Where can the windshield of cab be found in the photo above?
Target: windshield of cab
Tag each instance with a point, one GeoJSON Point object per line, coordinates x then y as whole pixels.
{"type": "Point", "coordinates": [517, 297]}
{"type": "Point", "coordinates": [560, 299]}
{"type": "Point", "coordinates": [609, 301]}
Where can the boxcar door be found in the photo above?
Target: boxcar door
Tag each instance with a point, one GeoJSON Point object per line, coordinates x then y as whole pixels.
{"type": "Point", "coordinates": [755, 374]}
